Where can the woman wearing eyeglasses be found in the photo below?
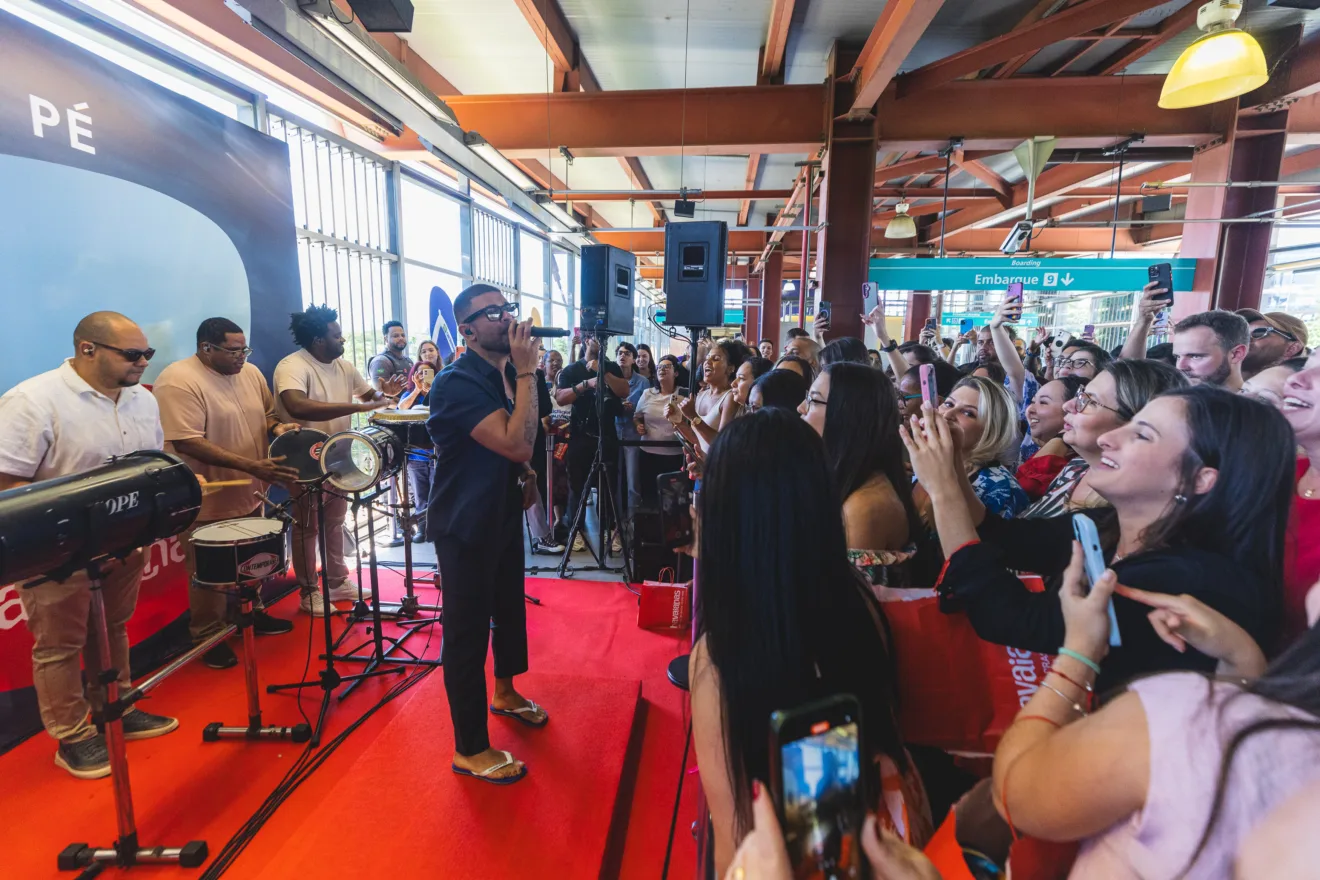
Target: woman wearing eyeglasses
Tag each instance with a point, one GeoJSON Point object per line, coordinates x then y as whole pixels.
{"type": "Point", "coordinates": [853, 407]}
{"type": "Point", "coordinates": [1199, 481]}
{"type": "Point", "coordinates": [1107, 402]}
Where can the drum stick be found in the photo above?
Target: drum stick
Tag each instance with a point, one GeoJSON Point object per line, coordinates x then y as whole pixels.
{"type": "Point", "coordinates": [224, 484]}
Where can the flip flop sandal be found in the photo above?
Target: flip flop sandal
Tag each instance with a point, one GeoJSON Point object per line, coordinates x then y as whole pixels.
{"type": "Point", "coordinates": [485, 776]}
{"type": "Point", "coordinates": [520, 714]}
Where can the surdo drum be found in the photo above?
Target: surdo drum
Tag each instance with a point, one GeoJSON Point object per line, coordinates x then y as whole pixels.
{"type": "Point", "coordinates": [236, 551]}
{"type": "Point", "coordinates": [357, 460]}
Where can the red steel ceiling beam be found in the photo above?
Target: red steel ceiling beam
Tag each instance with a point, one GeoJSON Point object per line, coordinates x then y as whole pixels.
{"type": "Point", "coordinates": [896, 32]}
{"type": "Point", "coordinates": [1168, 29]}
{"type": "Point", "coordinates": [1003, 190]}
{"type": "Point", "coordinates": [1082, 112]}
{"type": "Point", "coordinates": [718, 121]}
{"type": "Point", "coordinates": [709, 195]}
{"type": "Point", "coordinates": [754, 162]}
{"type": "Point", "coordinates": [1039, 11]}
{"type": "Point", "coordinates": [1060, 26]}
{"type": "Point", "coordinates": [908, 168]}
{"type": "Point", "coordinates": [976, 242]}
{"type": "Point", "coordinates": [572, 72]}
{"type": "Point", "coordinates": [776, 40]}
{"type": "Point", "coordinates": [1298, 77]}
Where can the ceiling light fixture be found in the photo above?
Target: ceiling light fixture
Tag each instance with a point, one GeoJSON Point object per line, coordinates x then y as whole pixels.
{"type": "Point", "coordinates": [499, 162]}
{"type": "Point", "coordinates": [1224, 63]}
{"type": "Point", "coordinates": [901, 226]}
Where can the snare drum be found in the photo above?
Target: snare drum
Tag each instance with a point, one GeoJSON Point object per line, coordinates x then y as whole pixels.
{"type": "Point", "coordinates": [357, 460]}
{"type": "Point", "coordinates": [236, 551]}
{"type": "Point", "coordinates": [409, 425]}
{"type": "Point", "coordinates": [301, 451]}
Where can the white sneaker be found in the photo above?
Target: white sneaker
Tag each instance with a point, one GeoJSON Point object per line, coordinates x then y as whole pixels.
{"type": "Point", "coordinates": [312, 603]}
{"type": "Point", "coordinates": [616, 544]}
{"type": "Point", "coordinates": [578, 544]}
{"type": "Point", "coordinates": [345, 592]}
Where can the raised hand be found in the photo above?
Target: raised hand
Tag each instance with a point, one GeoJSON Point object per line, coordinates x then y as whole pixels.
{"type": "Point", "coordinates": [1184, 620]}
{"type": "Point", "coordinates": [392, 386]}
{"type": "Point", "coordinates": [1086, 608]}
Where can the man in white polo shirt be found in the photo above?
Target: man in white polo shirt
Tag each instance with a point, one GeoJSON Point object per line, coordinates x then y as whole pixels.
{"type": "Point", "coordinates": [218, 415]}
{"type": "Point", "coordinates": [67, 421]}
{"type": "Point", "coordinates": [316, 388]}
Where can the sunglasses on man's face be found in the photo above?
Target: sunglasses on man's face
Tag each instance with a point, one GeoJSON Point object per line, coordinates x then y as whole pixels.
{"type": "Point", "coordinates": [132, 355]}
{"type": "Point", "coordinates": [493, 313]}
{"type": "Point", "coordinates": [1262, 332]}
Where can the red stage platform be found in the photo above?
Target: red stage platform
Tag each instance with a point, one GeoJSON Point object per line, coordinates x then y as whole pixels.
{"type": "Point", "coordinates": [596, 802]}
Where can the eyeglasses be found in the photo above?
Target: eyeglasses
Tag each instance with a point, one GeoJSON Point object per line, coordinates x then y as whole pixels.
{"type": "Point", "coordinates": [132, 355]}
{"type": "Point", "coordinates": [1262, 332]}
{"type": "Point", "coordinates": [233, 352]}
{"type": "Point", "coordinates": [1074, 363]}
{"type": "Point", "coordinates": [493, 313]}
{"type": "Point", "coordinates": [751, 407]}
{"type": "Point", "coordinates": [816, 400]}
{"type": "Point", "coordinates": [910, 397]}
{"type": "Point", "coordinates": [1084, 401]}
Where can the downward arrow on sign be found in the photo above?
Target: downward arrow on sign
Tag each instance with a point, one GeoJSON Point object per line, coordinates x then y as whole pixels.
{"type": "Point", "coordinates": [1067, 279]}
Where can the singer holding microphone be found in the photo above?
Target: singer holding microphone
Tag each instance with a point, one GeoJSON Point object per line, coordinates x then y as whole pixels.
{"type": "Point", "coordinates": [484, 415]}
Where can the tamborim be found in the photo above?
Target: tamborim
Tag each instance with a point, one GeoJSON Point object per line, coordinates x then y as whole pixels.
{"type": "Point", "coordinates": [57, 526]}
{"type": "Point", "coordinates": [301, 451]}
{"type": "Point", "coordinates": [237, 551]}
{"type": "Point", "coordinates": [357, 460]}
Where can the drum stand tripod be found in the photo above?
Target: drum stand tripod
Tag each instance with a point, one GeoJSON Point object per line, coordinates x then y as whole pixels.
{"type": "Point", "coordinates": [248, 593]}
{"type": "Point", "coordinates": [329, 677]}
{"type": "Point", "coordinates": [379, 654]}
{"type": "Point", "coordinates": [125, 852]}
{"type": "Point", "coordinates": [407, 608]}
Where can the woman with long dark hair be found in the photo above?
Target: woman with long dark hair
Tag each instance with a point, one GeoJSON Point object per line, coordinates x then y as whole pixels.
{"type": "Point", "coordinates": [645, 365]}
{"type": "Point", "coordinates": [1044, 452]}
{"type": "Point", "coordinates": [782, 619]}
{"type": "Point", "coordinates": [1199, 481]}
{"type": "Point", "coordinates": [854, 408]}
{"type": "Point", "coordinates": [1168, 779]}
{"type": "Point", "coordinates": [782, 389]}
{"type": "Point", "coordinates": [699, 419]}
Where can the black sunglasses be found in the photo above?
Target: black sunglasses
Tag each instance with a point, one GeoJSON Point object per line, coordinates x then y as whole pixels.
{"type": "Point", "coordinates": [492, 313]}
{"type": "Point", "coordinates": [1262, 332]}
{"type": "Point", "coordinates": [132, 355]}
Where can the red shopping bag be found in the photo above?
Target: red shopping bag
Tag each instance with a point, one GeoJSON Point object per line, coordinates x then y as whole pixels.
{"type": "Point", "coordinates": [956, 691]}
{"type": "Point", "coordinates": [664, 605]}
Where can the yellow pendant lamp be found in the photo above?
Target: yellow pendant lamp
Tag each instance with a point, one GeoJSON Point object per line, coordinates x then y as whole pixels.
{"type": "Point", "coordinates": [1224, 63]}
{"type": "Point", "coordinates": [902, 226]}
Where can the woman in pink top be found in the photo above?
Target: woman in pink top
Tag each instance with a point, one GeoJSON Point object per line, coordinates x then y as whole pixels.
{"type": "Point", "coordinates": [1168, 779]}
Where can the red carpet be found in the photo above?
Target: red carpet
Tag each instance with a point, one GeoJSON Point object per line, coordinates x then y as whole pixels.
{"type": "Point", "coordinates": [433, 823]}
{"type": "Point", "coordinates": [389, 786]}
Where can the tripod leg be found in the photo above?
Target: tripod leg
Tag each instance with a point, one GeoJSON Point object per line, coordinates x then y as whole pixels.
{"type": "Point", "coordinates": [623, 538]}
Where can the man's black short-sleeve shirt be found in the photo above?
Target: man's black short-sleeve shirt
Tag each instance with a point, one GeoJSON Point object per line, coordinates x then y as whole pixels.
{"type": "Point", "coordinates": [584, 419]}
{"type": "Point", "coordinates": [474, 491]}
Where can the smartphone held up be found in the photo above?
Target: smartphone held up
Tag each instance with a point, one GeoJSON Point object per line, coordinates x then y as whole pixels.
{"type": "Point", "coordinates": [819, 789]}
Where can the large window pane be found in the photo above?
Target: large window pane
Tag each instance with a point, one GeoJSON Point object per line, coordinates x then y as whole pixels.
{"type": "Point", "coordinates": [432, 227]}
{"type": "Point", "coordinates": [418, 282]}
{"type": "Point", "coordinates": [532, 254]}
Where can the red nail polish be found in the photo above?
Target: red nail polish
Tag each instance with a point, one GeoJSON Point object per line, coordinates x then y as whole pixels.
{"type": "Point", "coordinates": [756, 789]}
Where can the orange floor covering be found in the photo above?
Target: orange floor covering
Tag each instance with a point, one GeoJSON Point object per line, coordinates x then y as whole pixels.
{"type": "Point", "coordinates": [597, 800]}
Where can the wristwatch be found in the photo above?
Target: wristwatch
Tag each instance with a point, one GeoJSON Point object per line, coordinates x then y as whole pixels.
{"type": "Point", "coordinates": [891, 347]}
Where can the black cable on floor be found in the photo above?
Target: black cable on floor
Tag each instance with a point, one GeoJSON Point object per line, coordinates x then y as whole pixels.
{"type": "Point", "coordinates": [306, 764]}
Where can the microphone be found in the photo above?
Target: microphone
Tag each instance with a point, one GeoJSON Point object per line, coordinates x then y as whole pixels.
{"type": "Point", "coordinates": [542, 332]}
